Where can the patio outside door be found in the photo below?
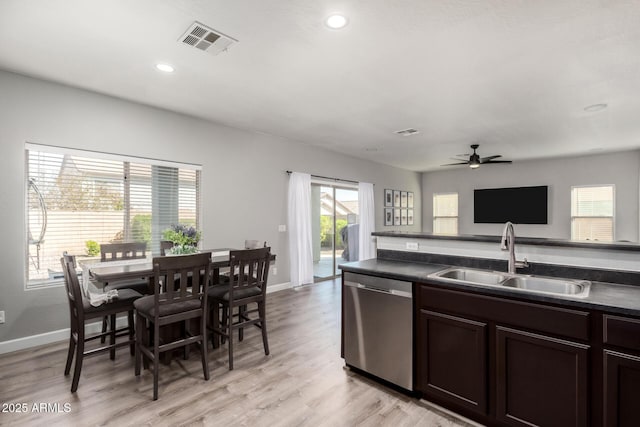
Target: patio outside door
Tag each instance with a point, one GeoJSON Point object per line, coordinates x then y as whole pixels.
{"type": "Point", "coordinates": [334, 222]}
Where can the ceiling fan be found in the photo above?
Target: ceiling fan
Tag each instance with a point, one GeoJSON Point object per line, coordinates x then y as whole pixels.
{"type": "Point", "coordinates": [475, 160]}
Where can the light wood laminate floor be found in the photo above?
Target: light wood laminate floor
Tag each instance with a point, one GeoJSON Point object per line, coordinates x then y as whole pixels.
{"type": "Point", "coordinates": [303, 382]}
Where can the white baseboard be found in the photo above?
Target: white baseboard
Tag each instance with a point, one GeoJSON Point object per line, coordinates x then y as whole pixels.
{"type": "Point", "coordinates": [278, 287]}
{"type": "Point", "coordinates": [63, 334]}
{"type": "Point", "coordinates": [51, 337]}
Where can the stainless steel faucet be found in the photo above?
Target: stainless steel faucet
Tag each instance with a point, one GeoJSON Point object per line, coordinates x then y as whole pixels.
{"type": "Point", "coordinates": [508, 242]}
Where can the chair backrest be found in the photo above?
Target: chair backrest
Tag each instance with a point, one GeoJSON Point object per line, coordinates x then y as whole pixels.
{"type": "Point", "coordinates": [120, 251]}
{"type": "Point", "coordinates": [165, 245]}
{"type": "Point", "coordinates": [255, 265]}
{"type": "Point", "coordinates": [181, 278]}
{"type": "Point", "coordinates": [254, 244]}
{"type": "Point", "coordinates": [72, 287]}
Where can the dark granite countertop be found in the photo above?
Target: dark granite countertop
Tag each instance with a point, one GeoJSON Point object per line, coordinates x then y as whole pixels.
{"type": "Point", "coordinates": [607, 297]}
{"type": "Point", "coordinates": [537, 241]}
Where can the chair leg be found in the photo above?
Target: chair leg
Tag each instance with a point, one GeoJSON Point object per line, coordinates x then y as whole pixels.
{"type": "Point", "coordinates": [139, 325]}
{"type": "Point", "coordinates": [156, 360]}
{"type": "Point", "coordinates": [72, 348]}
{"type": "Point", "coordinates": [147, 339]}
{"type": "Point", "coordinates": [230, 334]}
{"type": "Point", "coordinates": [214, 321]}
{"type": "Point", "coordinates": [263, 326]}
{"type": "Point", "coordinates": [185, 333]}
{"type": "Point", "coordinates": [241, 311]}
{"type": "Point", "coordinates": [225, 324]}
{"type": "Point", "coordinates": [203, 347]}
{"type": "Point", "coordinates": [132, 331]}
{"type": "Point", "coordinates": [112, 337]}
{"type": "Point", "coordinates": [79, 356]}
{"type": "Point", "coordinates": [104, 329]}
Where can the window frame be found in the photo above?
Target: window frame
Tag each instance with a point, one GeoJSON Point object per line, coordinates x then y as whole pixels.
{"type": "Point", "coordinates": [457, 216]}
{"type": "Point", "coordinates": [48, 283]}
{"type": "Point", "coordinates": [612, 216]}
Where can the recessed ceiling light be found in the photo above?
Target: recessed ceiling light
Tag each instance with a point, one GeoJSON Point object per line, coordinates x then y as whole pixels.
{"type": "Point", "coordinates": [595, 107]}
{"type": "Point", "coordinates": [166, 68]}
{"type": "Point", "coordinates": [336, 21]}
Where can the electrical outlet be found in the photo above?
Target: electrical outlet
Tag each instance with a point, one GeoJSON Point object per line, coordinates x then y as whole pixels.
{"type": "Point", "coordinates": [282, 228]}
{"type": "Point", "coordinates": [2, 316]}
{"type": "Point", "coordinates": [275, 271]}
{"type": "Point", "coordinates": [412, 246]}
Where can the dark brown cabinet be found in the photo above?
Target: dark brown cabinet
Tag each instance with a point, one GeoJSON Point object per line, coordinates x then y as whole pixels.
{"type": "Point", "coordinates": [621, 370]}
{"type": "Point", "coordinates": [503, 361]}
{"type": "Point", "coordinates": [452, 359]}
{"type": "Point", "coordinates": [540, 380]}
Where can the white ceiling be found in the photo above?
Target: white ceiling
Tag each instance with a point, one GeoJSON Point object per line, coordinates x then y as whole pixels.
{"type": "Point", "coordinates": [513, 76]}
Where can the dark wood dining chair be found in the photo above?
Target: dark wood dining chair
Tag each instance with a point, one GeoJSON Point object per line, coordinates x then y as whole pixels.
{"type": "Point", "coordinates": [241, 291]}
{"type": "Point", "coordinates": [81, 311]}
{"type": "Point", "coordinates": [248, 244]}
{"type": "Point", "coordinates": [184, 300]}
{"type": "Point", "coordinates": [120, 251]}
{"type": "Point", "coordinates": [125, 251]}
{"type": "Point", "coordinates": [117, 252]}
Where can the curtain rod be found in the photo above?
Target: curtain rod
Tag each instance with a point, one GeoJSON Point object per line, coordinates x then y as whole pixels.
{"type": "Point", "coordinates": [330, 178]}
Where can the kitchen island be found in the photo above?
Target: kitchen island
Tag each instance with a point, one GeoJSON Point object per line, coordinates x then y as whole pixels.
{"type": "Point", "coordinates": [503, 356]}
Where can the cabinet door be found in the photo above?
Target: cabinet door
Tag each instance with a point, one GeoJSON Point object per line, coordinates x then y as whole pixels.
{"type": "Point", "coordinates": [540, 380]}
{"type": "Point", "coordinates": [451, 359]}
{"type": "Point", "coordinates": [621, 389]}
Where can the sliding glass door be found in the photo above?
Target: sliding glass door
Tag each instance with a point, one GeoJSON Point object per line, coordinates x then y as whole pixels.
{"type": "Point", "coordinates": [334, 219]}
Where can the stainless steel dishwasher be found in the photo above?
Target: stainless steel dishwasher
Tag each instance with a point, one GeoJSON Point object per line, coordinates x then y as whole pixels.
{"type": "Point", "coordinates": [378, 327]}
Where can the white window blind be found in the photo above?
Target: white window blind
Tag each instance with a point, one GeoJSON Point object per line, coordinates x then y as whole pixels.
{"type": "Point", "coordinates": [75, 198]}
{"type": "Point", "coordinates": [445, 213]}
{"type": "Point", "coordinates": [592, 212]}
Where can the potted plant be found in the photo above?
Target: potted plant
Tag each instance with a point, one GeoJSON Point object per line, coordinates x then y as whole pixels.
{"type": "Point", "coordinates": [184, 237]}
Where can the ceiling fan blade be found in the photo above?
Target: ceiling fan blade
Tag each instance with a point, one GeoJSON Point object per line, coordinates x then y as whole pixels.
{"type": "Point", "coordinates": [456, 164]}
{"type": "Point", "coordinates": [486, 159]}
{"type": "Point", "coordinates": [496, 161]}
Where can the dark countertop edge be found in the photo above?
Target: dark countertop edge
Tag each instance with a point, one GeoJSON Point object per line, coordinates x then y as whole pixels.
{"type": "Point", "coordinates": [536, 241]}
{"type": "Point", "coordinates": [496, 291]}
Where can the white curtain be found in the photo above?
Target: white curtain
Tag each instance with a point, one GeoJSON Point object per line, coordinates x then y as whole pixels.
{"type": "Point", "coordinates": [299, 222]}
{"type": "Point", "coordinates": [367, 247]}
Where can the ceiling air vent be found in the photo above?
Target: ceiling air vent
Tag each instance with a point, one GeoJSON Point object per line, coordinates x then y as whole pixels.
{"type": "Point", "coordinates": [407, 132]}
{"type": "Point", "coordinates": [207, 39]}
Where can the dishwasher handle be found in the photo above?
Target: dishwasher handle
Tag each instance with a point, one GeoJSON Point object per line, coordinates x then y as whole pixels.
{"type": "Point", "coordinates": [395, 292]}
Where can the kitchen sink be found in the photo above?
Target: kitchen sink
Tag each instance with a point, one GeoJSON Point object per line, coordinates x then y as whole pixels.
{"type": "Point", "coordinates": [548, 285]}
{"type": "Point", "coordinates": [535, 284]}
{"type": "Point", "coordinates": [472, 276]}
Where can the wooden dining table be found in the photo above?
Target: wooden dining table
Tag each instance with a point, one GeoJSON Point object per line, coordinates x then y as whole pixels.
{"type": "Point", "coordinates": [105, 273]}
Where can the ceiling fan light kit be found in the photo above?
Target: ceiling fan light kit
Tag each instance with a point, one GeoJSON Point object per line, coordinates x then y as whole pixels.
{"type": "Point", "coordinates": [475, 160]}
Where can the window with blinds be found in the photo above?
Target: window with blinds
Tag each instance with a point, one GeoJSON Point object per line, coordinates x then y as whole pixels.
{"type": "Point", "coordinates": [592, 212]}
{"type": "Point", "coordinates": [445, 213]}
{"type": "Point", "coordinates": [77, 200]}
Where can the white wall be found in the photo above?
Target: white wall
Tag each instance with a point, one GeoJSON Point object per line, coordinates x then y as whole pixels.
{"type": "Point", "coordinates": [621, 169]}
{"type": "Point", "coordinates": [244, 182]}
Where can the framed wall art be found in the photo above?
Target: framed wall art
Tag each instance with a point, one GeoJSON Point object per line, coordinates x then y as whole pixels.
{"type": "Point", "coordinates": [388, 198]}
{"type": "Point", "coordinates": [396, 198]}
{"type": "Point", "coordinates": [388, 216]}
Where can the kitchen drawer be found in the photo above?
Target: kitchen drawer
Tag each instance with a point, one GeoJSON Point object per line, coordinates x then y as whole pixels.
{"type": "Point", "coordinates": [621, 332]}
{"type": "Point", "coordinates": [553, 320]}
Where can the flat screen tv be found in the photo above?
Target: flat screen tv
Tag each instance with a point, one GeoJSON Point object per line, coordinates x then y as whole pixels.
{"type": "Point", "coordinates": [520, 205]}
